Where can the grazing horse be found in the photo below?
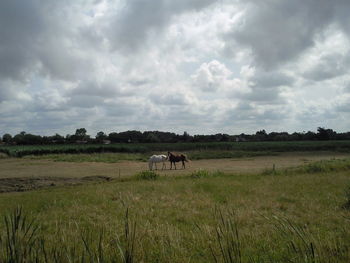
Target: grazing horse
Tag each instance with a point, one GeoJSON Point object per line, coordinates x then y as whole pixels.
{"type": "Point", "coordinates": [174, 158]}
{"type": "Point", "coordinates": [154, 159]}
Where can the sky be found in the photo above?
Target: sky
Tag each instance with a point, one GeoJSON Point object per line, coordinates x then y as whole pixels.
{"type": "Point", "coordinates": [200, 66]}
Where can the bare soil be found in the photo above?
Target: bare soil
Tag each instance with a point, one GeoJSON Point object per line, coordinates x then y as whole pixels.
{"type": "Point", "coordinates": [25, 174]}
{"type": "Point", "coordinates": [20, 184]}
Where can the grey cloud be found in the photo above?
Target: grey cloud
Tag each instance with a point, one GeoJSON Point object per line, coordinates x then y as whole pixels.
{"type": "Point", "coordinates": [83, 101]}
{"type": "Point", "coordinates": [316, 114]}
{"type": "Point", "coordinates": [265, 96]}
{"type": "Point", "coordinates": [328, 67]}
{"type": "Point", "coordinates": [257, 115]}
{"type": "Point", "coordinates": [279, 31]}
{"type": "Point", "coordinates": [342, 14]}
{"type": "Point", "coordinates": [140, 19]}
{"type": "Point", "coordinates": [21, 24]}
{"type": "Point", "coordinates": [106, 89]}
{"type": "Point", "coordinates": [267, 86]}
{"type": "Point", "coordinates": [8, 90]}
{"type": "Point", "coordinates": [346, 89]}
{"type": "Point", "coordinates": [271, 79]}
{"type": "Point", "coordinates": [170, 99]}
{"type": "Point", "coordinates": [37, 36]}
{"type": "Point", "coordinates": [128, 110]}
{"type": "Point", "coordinates": [342, 104]}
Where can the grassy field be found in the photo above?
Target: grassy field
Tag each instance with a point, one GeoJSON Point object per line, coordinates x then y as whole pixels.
{"type": "Point", "coordinates": [298, 214]}
{"type": "Point", "coordinates": [236, 147]}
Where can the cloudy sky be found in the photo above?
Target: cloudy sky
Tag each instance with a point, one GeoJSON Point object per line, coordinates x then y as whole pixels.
{"type": "Point", "coordinates": [201, 66]}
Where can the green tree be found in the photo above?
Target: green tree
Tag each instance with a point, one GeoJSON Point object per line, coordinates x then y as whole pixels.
{"type": "Point", "coordinates": [7, 138]}
{"type": "Point", "coordinates": [80, 134]}
{"type": "Point", "coordinates": [325, 134]}
{"type": "Point", "coordinates": [101, 136]}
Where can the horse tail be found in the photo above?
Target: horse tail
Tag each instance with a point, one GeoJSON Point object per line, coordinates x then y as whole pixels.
{"type": "Point", "coordinates": [150, 164]}
{"type": "Point", "coordinates": [185, 158]}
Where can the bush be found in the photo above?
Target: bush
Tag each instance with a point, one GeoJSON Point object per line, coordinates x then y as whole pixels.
{"type": "Point", "coordinates": [147, 175]}
{"type": "Point", "coordinates": [346, 205]}
{"type": "Point", "coordinates": [200, 174]}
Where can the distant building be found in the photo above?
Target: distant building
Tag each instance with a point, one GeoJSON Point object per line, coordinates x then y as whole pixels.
{"type": "Point", "coordinates": [106, 142]}
{"type": "Point", "coordinates": [240, 139]}
{"type": "Point", "coordinates": [80, 142]}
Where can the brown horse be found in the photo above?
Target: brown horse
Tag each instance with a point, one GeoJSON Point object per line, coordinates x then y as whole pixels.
{"type": "Point", "coordinates": [174, 158]}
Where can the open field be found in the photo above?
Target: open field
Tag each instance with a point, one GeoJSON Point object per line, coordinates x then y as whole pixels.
{"type": "Point", "coordinates": [218, 210]}
{"type": "Point", "coordinates": [45, 172]}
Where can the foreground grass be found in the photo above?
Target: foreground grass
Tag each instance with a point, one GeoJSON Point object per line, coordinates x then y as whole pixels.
{"type": "Point", "coordinates": [280, 216]}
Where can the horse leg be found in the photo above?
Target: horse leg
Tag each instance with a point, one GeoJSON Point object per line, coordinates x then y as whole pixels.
{"type": "Point", "coordinates": [150, 165]}
{"type": "Point", "coordinates": [183, 164]}
{"type": "Point", "coordinates": [163, 166]}
{"type": "Point", "coordinates": [155, 163]}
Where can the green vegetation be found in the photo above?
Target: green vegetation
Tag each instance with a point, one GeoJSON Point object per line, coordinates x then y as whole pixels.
{"type": "Point", "coordinates": [290, 215]}
{"type": "Point", "coordinates": [225, 149]}
{"type": "Point", "coordinates": [147, 175]}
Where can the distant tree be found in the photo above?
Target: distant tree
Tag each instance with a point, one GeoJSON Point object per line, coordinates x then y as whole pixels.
{"type": "Point", "coordinates": [309, 136]}
{"type": "Point", "coordinates": [131, 136]}
{"type": "Point", "coordinates": [325, 134]}
{"type": "Point", "coordinates": [113, 137]}
{"type": "Point", "coordinates": [56, 139]}
{"type": "Point", "coordinates": [261, 135]}
{"type": "Point", "coordinates": [152, 137]}
{"type": "Point", "coordinates": [30, 139]}
{"type": "Point", "coordinates": [19, 138]}
{"type": "Point", "coordinates": [127, 136]}
{"type": "Point", "coordinates": [225, 138]}
{"type": "Point", "coordinates": [80, 133]}
{"type": "Point", "coordinates": [7, 138]}
{"type": "Point", "coordinates": [186, 137]}
{"type": "Point", "coordinates": [101, 136]}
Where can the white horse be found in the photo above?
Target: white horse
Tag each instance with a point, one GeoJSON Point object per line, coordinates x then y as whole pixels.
{"type": "Point", "coordinates": [154, 159]}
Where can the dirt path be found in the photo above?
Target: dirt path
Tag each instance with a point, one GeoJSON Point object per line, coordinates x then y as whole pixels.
{"type": "Point", "coordinates": [30, 174]}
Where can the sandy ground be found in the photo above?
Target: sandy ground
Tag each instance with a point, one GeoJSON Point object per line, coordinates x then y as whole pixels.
{"type": "Point", "coordinates": [25, 174]}
{"type": "Point", "coordinates": [14, 168]}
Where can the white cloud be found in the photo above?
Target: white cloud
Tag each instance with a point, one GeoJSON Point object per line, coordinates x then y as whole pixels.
{"type": "Point", "coordinates": [201, 66]}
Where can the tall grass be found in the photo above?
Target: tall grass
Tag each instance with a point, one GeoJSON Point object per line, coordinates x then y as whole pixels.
{"type": "Point", "coordinates": [147, 175]}
{"type": "Point", "coordinates": [21, 241]}
{"type": "Point", "coordinates": [227, 239]}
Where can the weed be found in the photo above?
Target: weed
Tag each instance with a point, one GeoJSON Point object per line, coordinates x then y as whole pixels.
{"type": "Point", "coordinates": [204, 174]}
{"type": "Point", "coordinates": [127, 251]}
{"type": "Point", "coordinates": [199, 174]}
{"type": "Point", "coordinates": [20, 240]}
{"type": "Point", "coordinates": [346, 205]}
{"type": "Point", "coordinates": [147, 175]}
{"type": "Point", "coordinates": [227, 239]}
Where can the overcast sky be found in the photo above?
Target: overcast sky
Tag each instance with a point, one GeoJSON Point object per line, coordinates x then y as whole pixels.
{"type": "Point", "coordinates": [201, 66]}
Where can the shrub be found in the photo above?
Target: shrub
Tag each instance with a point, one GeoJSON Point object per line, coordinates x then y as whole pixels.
{"type": "Point", "coordinates": [199, 174]}
{"type": "Point", "coordinates": [147, 175]}
{"type": "Point", "coordinates": [204, 173]}
{"type": "Point", "coordinates": [346, 205]}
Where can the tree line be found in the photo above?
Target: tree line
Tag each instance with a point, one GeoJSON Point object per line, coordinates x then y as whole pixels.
{"type": "Point", "coordinates": [133, 136]}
